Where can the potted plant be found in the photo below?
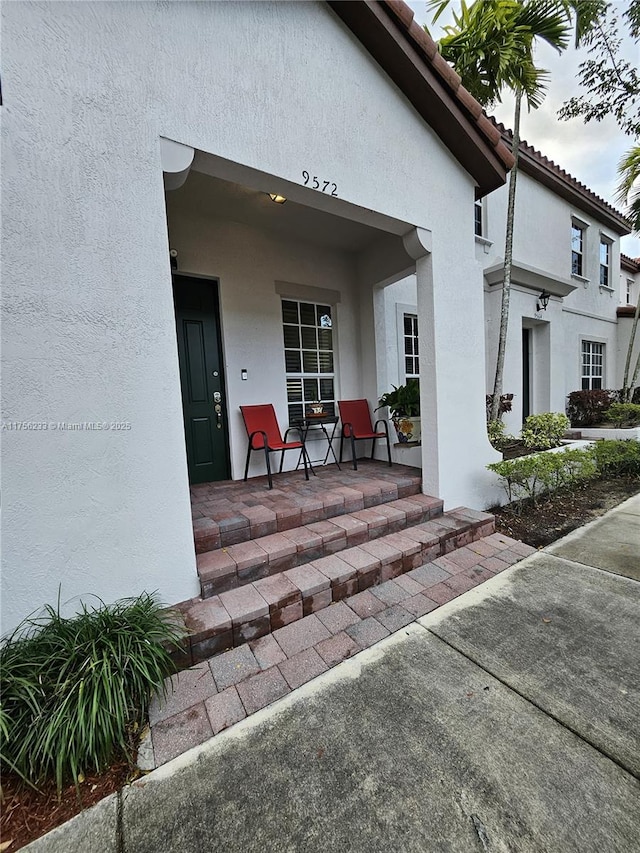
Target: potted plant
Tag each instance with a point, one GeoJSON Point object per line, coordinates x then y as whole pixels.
{"type": "Point", "coordinates": [404, 410]}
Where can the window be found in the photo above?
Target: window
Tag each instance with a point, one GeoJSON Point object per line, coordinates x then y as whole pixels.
{"type": "Point", "coordinates": [308, 356]}
{"type": "Point", "coordinates": [411, 355]}
{"type": "Point", "coordinates": [477, 216]}
{"type": "Point", "coordinates": [629, 291]}
{"type": "Point", "coordinates": [592, 365]}
{"type": "Point", "coordinates": [605, 260]}
{"type": "Point", "coordinates": [577, 250]}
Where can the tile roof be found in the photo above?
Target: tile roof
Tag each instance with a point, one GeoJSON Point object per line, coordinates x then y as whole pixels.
{"type": "Point", "coordinates": [630, 264]}
{"type": "Point", "coordinates": [410, 58]}
{"type": "Point", "coordinates": [423, 42]}
{"type": "Point", "coordinates": [549, 173]}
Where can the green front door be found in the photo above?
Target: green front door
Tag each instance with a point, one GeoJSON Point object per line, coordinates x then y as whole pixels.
{"type": "Point", "coordinates": [201, 378]}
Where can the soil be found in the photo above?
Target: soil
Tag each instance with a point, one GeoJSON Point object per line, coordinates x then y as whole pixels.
{"type": "Point", "coordinates": [27, 814]}
{"type": "Point", "coordinates": [558, 514]}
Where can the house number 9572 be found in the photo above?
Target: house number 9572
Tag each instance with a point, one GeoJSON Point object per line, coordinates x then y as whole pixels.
{"type": "Point", "coordinates": [318, 184]}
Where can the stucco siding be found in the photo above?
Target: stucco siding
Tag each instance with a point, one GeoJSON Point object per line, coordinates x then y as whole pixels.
{"type": "Point", "coordinates": [89, 330]}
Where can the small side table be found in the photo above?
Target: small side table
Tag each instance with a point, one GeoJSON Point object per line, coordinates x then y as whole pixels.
{"type": "Point", "coordinates": [320, 422]}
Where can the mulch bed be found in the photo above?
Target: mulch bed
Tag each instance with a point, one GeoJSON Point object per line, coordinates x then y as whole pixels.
{"type": "Point", "coordinates": [28, 814]}
{"type": "Point", "coordinates": [555, 516]}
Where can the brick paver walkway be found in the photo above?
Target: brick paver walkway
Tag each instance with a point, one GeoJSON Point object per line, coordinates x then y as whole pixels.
{"type": "Point", "coordinates": [217, 693]}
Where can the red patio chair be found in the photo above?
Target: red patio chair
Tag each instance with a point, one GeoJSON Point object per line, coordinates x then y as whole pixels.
{"type": "Point", "coordinates": [264, 434]}
{"type": "Point", "coordinates": [356, 426]}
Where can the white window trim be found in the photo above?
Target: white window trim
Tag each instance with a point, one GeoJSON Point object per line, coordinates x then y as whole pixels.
{"type": "Point", "coordinates": [286, 291]}
{"type": "Point", "coordinates": [594, 339]}
{"type": "Point", "coordinates": [605, 238]}
{"type": "Point", "coordinates": [402, 309]}
{"type": "Point", "coordinates": [576, 222]}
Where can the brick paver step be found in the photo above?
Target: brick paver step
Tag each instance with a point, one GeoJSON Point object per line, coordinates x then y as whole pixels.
{"type": "Point", "coordinates": [248, 561]}
{"type": "Point", "coordinates": [222, 690]}
{"type": "Point", "coordinates": [232, 512]}
{"type": "Point", "coordinates": [244, 609]}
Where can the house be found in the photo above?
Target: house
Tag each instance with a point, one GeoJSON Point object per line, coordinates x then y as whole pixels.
{"type": "Point", "coordinates": [629, 295]}
{"type": "Point", "coordinates": [130, 130]}
{"type": "Point", "coordinates": [566, 330]}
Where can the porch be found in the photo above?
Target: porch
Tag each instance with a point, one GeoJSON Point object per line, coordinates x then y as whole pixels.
{"type": "Point", "coordinates": [233, 511]}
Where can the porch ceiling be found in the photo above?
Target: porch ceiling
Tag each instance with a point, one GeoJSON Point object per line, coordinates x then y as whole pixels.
{"type": "Point", "coordinates": [214, 198]}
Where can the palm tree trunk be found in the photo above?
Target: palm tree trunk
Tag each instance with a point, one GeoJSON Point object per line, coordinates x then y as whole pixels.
{"type": "Point", "coordinates": [508, 260]}
{"type": "Point", "coordinates": [626, 388]}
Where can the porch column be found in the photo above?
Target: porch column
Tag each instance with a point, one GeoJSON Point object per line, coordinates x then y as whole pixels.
{"type": "Point", "coordinates": [455, 447]}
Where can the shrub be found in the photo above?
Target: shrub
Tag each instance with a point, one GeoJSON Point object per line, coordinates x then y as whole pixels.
{"type": "Point", "coordinates": [617, 458]}
{"type": "Point", "coordinates": [74, 689]}
{"type": "Point", "coordinates": [540, 432]}
{"type": "Point", "coordinates": [497, 435]}
{"type": "Point", "coordinates": [624, 414]}
{"type": "Point", "coordinates": [530, 476]}
{"type": "Point", "coordinates": [586, 408]}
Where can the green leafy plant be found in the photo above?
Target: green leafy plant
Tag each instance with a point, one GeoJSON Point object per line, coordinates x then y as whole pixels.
{"type": "Point", "coordinates": [543, 431]}
{"type": "Point", "coordinates": [624, 414]}
{"type": "Point", "coordinates": [498, 437]}
{"type": "Point", "coordinates": [403, 401]}
{"type": "Point", "coordinates": [531, 476]}
{"type": "Point", "coordinates": [73, 689]}
{"type": "Point", "coordinates": [617, 458]}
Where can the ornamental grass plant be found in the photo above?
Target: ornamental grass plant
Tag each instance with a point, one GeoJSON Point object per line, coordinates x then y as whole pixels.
{"type": "Point", "coordinates": [75, 689]}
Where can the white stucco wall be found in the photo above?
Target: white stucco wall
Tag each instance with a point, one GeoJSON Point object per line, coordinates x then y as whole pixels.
{"type": "Point", "coordinates": [542, 241]}
{"type": "Point", "coordinates": [89, 328]}
{"type": "Point", "coordinates": [249, 263]}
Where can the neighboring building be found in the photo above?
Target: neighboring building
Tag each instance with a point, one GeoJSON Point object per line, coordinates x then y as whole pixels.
{"type": "Point", "coordinates": [629, 295]}
{"type": "Point", "coordinates": [345, 109]}
{"type": "Point", "coordinates": [566, 254]}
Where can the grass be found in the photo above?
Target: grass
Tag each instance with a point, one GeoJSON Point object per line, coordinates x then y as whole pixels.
{"type": "Point", "coordinates": [73, 689]}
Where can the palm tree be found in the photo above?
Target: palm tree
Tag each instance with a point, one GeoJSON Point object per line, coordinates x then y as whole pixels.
{"type": "Point", "coordinates": [491, 46]}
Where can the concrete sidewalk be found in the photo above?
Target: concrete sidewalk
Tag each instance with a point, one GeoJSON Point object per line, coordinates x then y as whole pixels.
{"type": "Point", "coordinates": [507, 720]}
{"type": "Point", "coordinates": [611, 542]}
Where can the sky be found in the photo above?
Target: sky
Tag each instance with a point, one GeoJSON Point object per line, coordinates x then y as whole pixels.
{"type": "Point", "coordinates": [590, 152]}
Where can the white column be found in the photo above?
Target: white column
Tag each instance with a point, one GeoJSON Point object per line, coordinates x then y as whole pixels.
{"type": "Point", "coordinates": [455, 447]}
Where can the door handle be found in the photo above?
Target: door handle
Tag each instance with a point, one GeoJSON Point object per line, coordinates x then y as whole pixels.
{"type": "Point", "coordinates": [217, 397]}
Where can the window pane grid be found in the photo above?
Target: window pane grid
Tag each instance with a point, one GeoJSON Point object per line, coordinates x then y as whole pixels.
{"type": "Point", "coordinates": [605, 253]}
{"type": "Point", "coordinates": [592, 365]}
{"type": "Point", "coordinates": [577, 244]}
{"type": "Point", "coordinates": [308, 342]}
{"type": "Point", "coordinates": [477, 214]}
{"type": "Point", "coordinates": [411, 350]}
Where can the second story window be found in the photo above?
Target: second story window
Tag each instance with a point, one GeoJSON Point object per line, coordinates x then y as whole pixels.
{"type": "Point", "coordinates": [477, 218]}
{"type": "Point", "coordinates": [577, 250]}
{"type": "Point", "coordinates": [629, 292]}
{"type": "Point", "coordinates": [605, 263]}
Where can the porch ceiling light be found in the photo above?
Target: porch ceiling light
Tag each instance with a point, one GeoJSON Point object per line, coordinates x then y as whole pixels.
{"type": "Point", "coordinates": [543, 300]}
{"type": "Point", "coordinates": [278, 199]}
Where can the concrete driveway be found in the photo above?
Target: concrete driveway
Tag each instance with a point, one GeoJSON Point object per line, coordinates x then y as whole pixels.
{"type": "Point", "coordinates": [506, 720]}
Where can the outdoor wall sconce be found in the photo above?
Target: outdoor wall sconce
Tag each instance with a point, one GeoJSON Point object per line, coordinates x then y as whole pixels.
{"type": "Point", "coordinates": [543, 300]}
{"type": "Point", "coordinates": [278, 199]}
{"type": "Point", "coordinates": [173, 259]}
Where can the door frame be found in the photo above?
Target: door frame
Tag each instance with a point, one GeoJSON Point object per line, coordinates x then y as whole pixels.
{"type": "Point", "coordinates": [214, 281]}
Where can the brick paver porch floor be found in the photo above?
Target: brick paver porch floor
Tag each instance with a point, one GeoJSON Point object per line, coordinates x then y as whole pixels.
{"type": "Point", "coordinates": [235, 504]}
{"type": "Point", "coordinates": [221, 691]}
